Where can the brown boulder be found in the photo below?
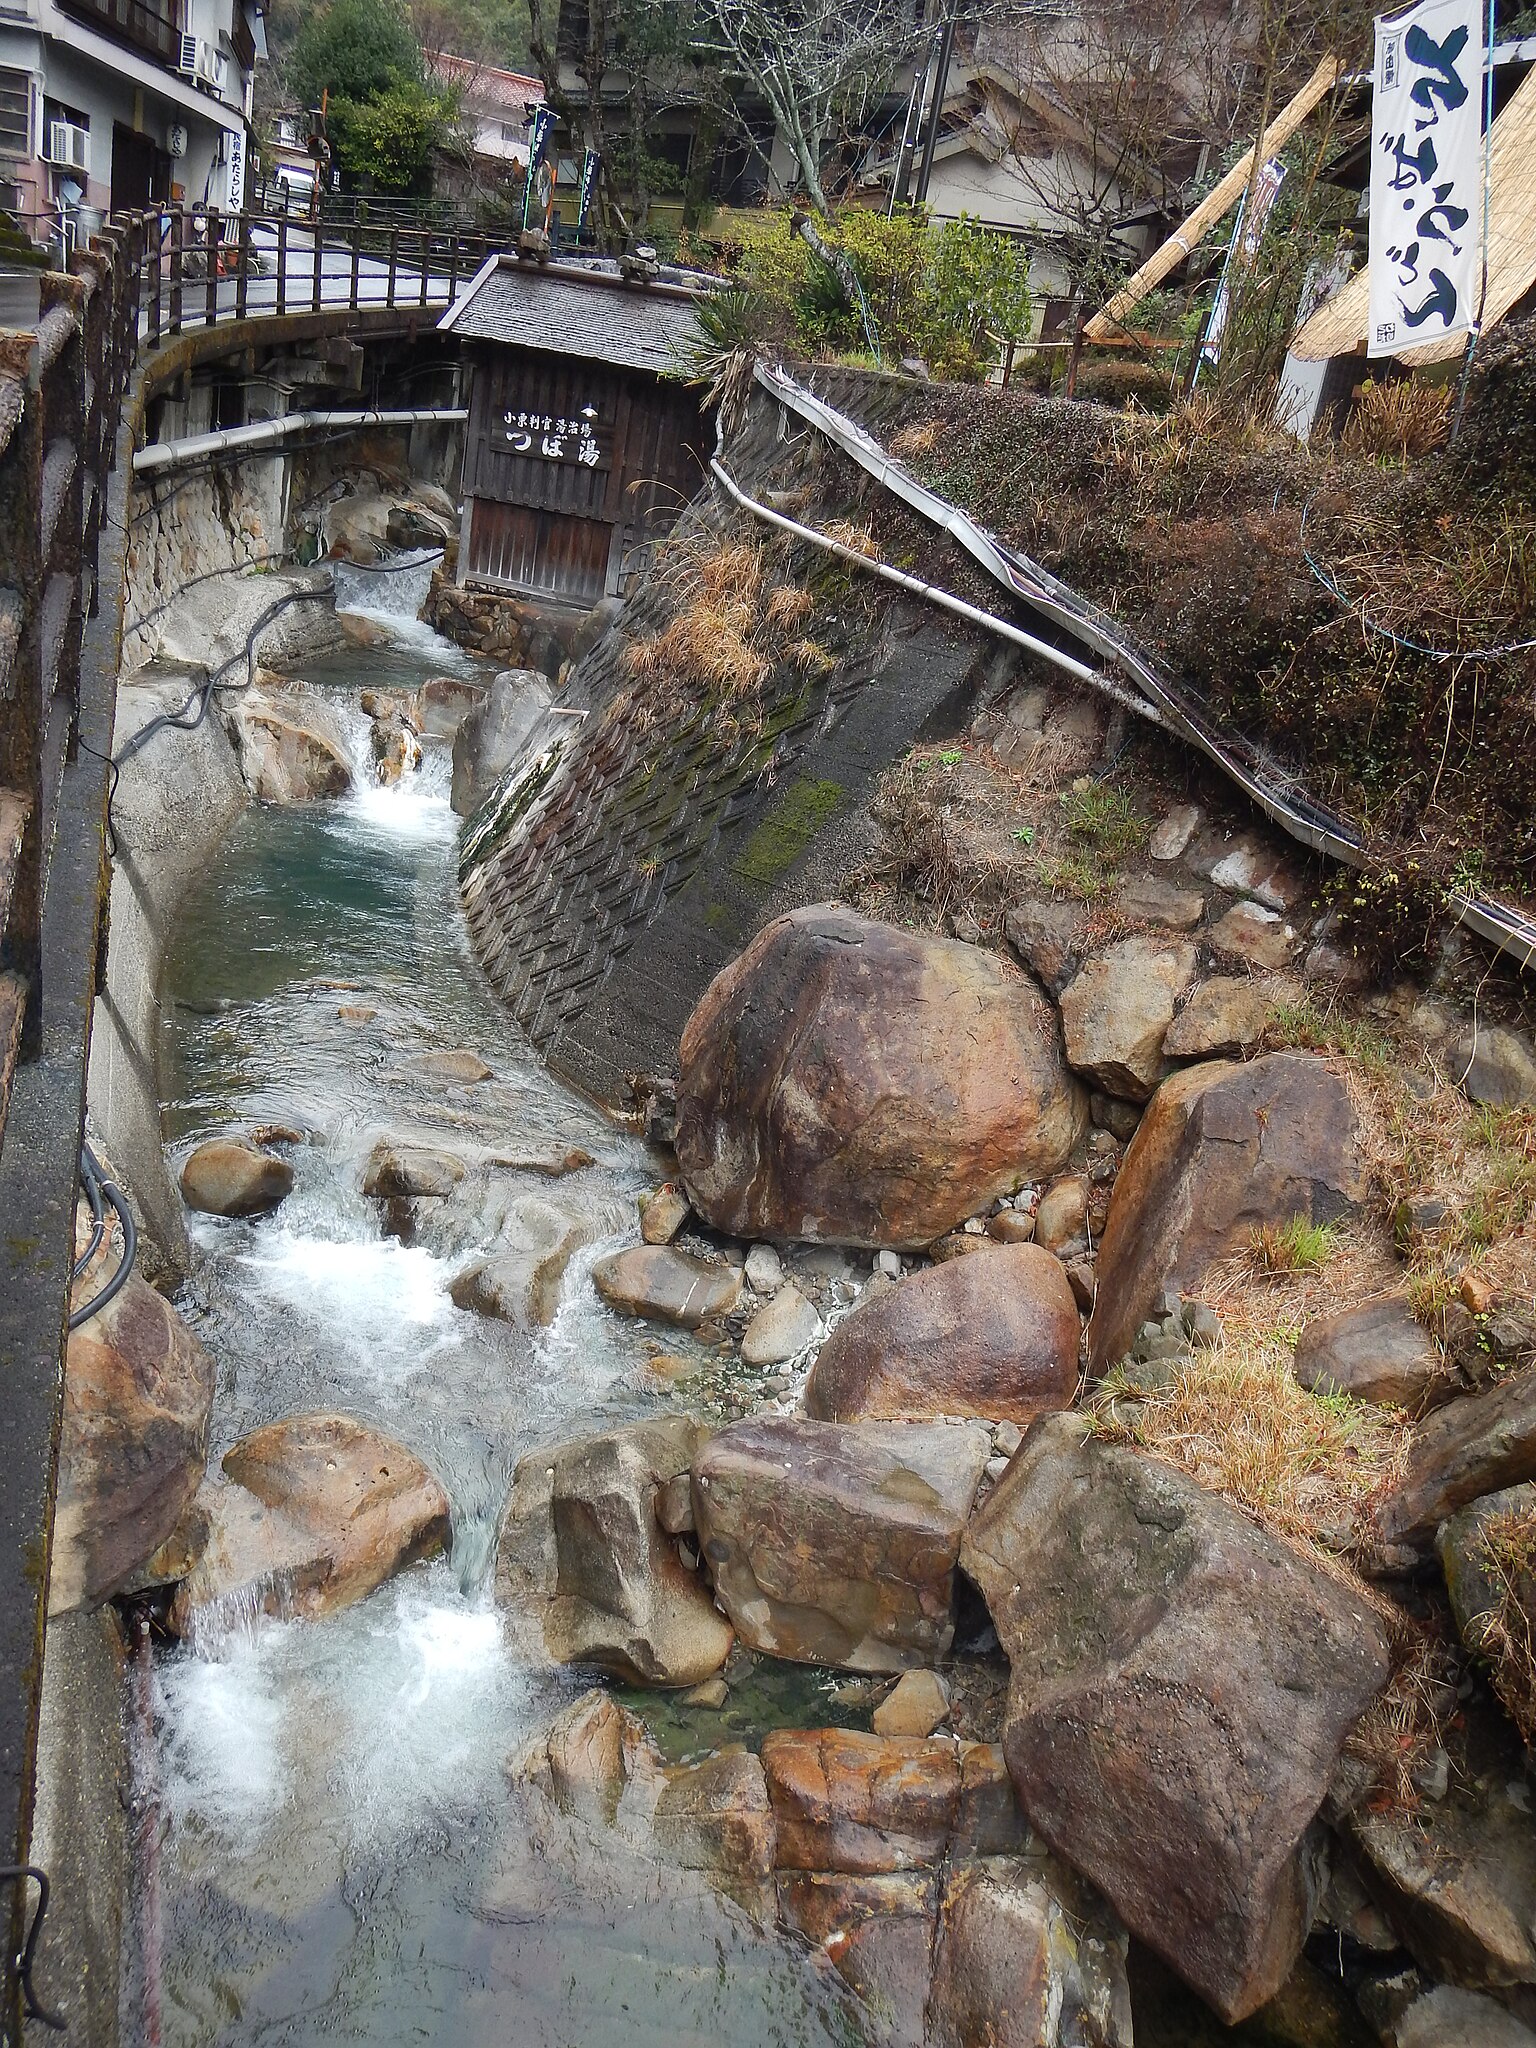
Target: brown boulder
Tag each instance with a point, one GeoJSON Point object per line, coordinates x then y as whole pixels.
{"type": "Point", "coordinates": [1181, 1686]}
{"type": "Point", "coordinates": [1048, 937]}
{"type": "Point", "coordinates": [1376, 1351]}
{"type": "Point", "coordinates": [138, 1391]}
{"type": "Point", "coordinates": [837, 1545]}
{"type": "Point", "coordinates": [1026, 1957]}
{"type": "Point", "coordinates": [715, 1816]}
{"type": "Point", "coordinates": [847, 1082]}
{"type": "Point", "coordinates": [995, 1336]}
{"type": "Point", "coordinates": [291, 748]}
{"type": "Point", "coordinates": [1252, 933]}
{"type": "Point", "coordinates": [1224, 1017]}
{"type": "Point", "coordinates": [1491, 1591]}
{"type": "Point", "coordinates": [583, 1556]}
{"type": "Point", "coordinates": [1479, 1444]}
{"type": "Point", "coordinates": [1221, 1151]}
{"type": "Point", "coordinates": [313, 1513]}
{"type": "Point", "coordinates": [666, 1286]}
{"type": "Point", "coordinates": [596, 1761]}
{"type": "Point", "coordinates": [860, 1803]}
{"type": "Point", "coordinates": [1116, 1011]}
{"type": "Point", "coordinates": [520, 1279]}
{"type": "Point", "coordinates": [228, 1177]}
{"type": "Point", "coordinates": [394, 1169]}
{"type": "Point", "coordinates": [877, 1933]}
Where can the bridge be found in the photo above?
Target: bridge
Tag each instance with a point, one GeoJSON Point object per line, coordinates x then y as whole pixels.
{"type": "Point", "coordinates": [153, 295]}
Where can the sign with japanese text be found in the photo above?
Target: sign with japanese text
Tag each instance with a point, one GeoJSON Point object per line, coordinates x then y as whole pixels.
{"type": "Point", "coordinates": [1247, 234]}
{"type": "Point", "coordinates": [554, 437]}
{"type": "Point", "coordinates": [235, 139]}
{"type": "Point", "coordinates": [1426, 175]}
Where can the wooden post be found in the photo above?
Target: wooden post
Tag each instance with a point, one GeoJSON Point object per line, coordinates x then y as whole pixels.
{"type": "Point", "coordinates": [178, 247]}
{"type": "Point", "coordinates": [394, 263]}
{"type": "Point", "coordinates": [1215, 205]}
{"type": "Point", "coordinates": [319, 268]}
{"type": "Point", "coordinates": [211, 254]}
{"type": "Point", "coordinates": [243, 276]}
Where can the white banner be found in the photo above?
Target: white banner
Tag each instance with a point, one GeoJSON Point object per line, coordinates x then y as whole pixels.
{"type": "Point", "coordinates": [1426, 175]}
{"type": "Point", "coordinates": [234, 141]}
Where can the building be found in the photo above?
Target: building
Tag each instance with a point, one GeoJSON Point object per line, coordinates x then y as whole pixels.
{"type": "Point", "coordinates": [497, 107]}
{"type": "Point", "coordinates": [579, 450]}
{"type": "Point", "coordinates": [110, 105]}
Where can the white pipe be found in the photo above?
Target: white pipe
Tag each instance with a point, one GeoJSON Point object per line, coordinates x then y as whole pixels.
{"type": "Point", "coordinates": [161, 455]}
{"type": "Point", "coordinates": [945, 599]}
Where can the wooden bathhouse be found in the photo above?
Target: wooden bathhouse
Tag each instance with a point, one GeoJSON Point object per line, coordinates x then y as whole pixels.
{"type": "Point", "coordinates": [579, 449]}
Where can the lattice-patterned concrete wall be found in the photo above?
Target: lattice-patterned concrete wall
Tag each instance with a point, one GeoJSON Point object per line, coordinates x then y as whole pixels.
{"type": "Point", "coordinates": [609, 882]}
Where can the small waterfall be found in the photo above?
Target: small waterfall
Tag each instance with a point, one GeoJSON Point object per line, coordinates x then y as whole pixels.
{"type": "Point", "coordinates": [391, 594]}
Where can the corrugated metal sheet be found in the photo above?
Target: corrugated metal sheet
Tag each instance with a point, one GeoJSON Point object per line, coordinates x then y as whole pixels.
{"type": "Point", "coordinates": [575, 312]}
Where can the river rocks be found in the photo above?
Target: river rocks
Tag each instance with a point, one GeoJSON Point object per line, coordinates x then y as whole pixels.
{"type": "Point", "coordinates": [995, 1335]}
{"type": "Point", "coordinates": [291, 749]}
{"type": "Point", "coordinates": [394, 1169]}
{"type": "Point", "coordinates": [1252, 933]}
{"type": "Point", "coordinates": [1495, 1066]}
{"type": "Point", "coordinates": [1061, 1217]}
{"type": "Point", "coordinates": [582, 1553]}
{"type": "Point", "coordinates": [781, 1329]}
{"type": "Point", "coordinates": [1026, 1957]}
{"type": "Point", "coordinates": [492, 736]}
{"type": "Point", "coordinates": [916, 1705]}
{"type": "Point", "coordinates": [519, 1280]}
{"type": "Point", "coordinates": [666, 1286]}
{"type": "Point", "coordinates": [1477, 1445]}
{"type": "Point", "coordinates": [662, 1215]}
{"type": "Point", "coordinates": [1375, 1351]}
{"type": "Point", "coordinates": [395, 748]}
{"type": "Point", "coordinates": [228, 1177]}
{"type": "Point", "coordinates": [138, 1389]}
{"type": "Point", "coordinates": [1117, 1009]}
{"type": "Point", "coordinates": [443, 702]}
{"type": "Point", "coordinates": [1222, 1019]}
{"type": "Point", "coordinates": [877, 1933]}
{"type": "Point", "coordinates": [313, 1513]}
{"type": "Point", "coordinates": [1221, 1151]}
{"type": "Point", "coordinates": [1457, 1879]}
{"type": "Point", "coordinates": [1483, 1591]}
{"type": "Point", "coordinates": [596, 1762]}
{"type": "Point", "coordinates": [460, 1064]}
{"type": "Point", "coordinates": [716, 1816]}
{"type": "Point", "coordinates": [1181, 1685]}
{"type": "Point", "coordinates": [847, 1082]}
{"type": "Point", "coordinates": [834, 1545]}
{"type": "Point", "coordinates": [860, 1803]}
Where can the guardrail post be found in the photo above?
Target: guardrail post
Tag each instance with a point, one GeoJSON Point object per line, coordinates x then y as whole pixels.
{"type": "Point", "coordinates": [178, 259]}
{"type": "Point", "coordinates": [426, 261]}
{"type": "Point", "coordinates": [243, 277]}
{"type": "Point", "coordinates": [282, 261]}
{"type": "Point", "coordinates": [212, 257]}
{"type": "Point", "coordinates": [319, 270]}
{"type": "Point", "coordinates": [394, 262]}
{"type": "Point", "coordinates": [356, 240]}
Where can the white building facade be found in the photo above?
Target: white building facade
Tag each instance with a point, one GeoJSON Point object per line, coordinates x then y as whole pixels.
{"type": "Point", "coordinates": [107, 105]}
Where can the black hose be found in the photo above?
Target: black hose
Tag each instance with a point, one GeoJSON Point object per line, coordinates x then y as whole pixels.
{"type": "Point", "coordinates": [22, 1965]}
{"type": "Point", "coordinates": [92, 1175]}
{"type": "Point", "coordinates": [92, 1188]}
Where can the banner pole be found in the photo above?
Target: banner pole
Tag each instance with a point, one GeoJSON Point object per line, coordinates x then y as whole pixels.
{"type": "Point", "coordinates": [1482, 298]}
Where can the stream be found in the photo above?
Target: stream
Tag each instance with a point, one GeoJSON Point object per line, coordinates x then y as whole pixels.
{"type": "Point", "coordinates": [333, 1856]}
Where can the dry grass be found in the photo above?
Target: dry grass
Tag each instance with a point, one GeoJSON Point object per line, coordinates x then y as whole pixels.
{"type": "Point", "coordinates": [729, 630]}
{"type": "Point", "coordinates": [1295, 1246]}
{"type": "Point", "coordinates": [849, 535]}
{"type": "Point", "coordinates": [1399, 1733]}
{"type": "Point", "coordinates": [921, 437]}
{"type": "Point", "coordinates": [1398, 420]}
{"type": "Point", "coordinates": [1506, 1634]}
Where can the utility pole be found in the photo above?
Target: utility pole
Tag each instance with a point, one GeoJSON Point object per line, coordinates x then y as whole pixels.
{"type": "Point", "coordinates": [936, 101]}
{"type": "Point", "coordinates": [911, 127]}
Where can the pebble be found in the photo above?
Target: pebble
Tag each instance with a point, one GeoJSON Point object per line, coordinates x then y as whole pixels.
{"type": "Point", "coordinates": [714, 1692]}
{"type": "Point", "coordinates": [888, 1263]}
{"type": "Point", "coordinates": [916, 1705]}
{"type": "Point", "coordinates": [765, 1269]}
{"type": "Point", "coordinates": [995, 1468]}
{"type": "Point", "coordinates": [1007, 1436]}
{"type": "Point", "coordinates": [974, 1226]}
{"type": "Point", "coordinates": [663, 1216]}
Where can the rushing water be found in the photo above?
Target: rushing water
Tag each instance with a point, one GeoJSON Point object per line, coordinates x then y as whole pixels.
{"type": "Point", "coordinates": [335, 1856]}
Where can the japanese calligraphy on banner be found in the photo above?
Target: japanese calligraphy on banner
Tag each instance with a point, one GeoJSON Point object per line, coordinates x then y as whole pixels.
{"type": "Point", "coordinates": [554, 438]}
{"type": "Point", "coordinates": [1426, 175]}
{"type": "Point", "coordinates": [1247, 234]}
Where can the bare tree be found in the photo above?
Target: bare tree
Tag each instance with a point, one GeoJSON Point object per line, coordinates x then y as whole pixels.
{"type": "Point", "coordinates": [821, 66]}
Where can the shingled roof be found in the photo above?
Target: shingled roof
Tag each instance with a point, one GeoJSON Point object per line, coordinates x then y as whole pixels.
{"type": "Point", "coordinates": [576, 310]}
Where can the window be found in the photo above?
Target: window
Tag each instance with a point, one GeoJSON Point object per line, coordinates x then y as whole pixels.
{"type": "Point", "coordinates": [15, 113]}
{"type": "Point", "coordinates": [511, 132]}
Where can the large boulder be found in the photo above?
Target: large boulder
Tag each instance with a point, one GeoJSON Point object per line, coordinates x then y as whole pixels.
{"type": "Point", "coordinates": [519, 1279]}
{"type": "Point", "coordinates": [1181, 1687]}
{"type": "Point", "coordinates": [1116, 1011]}
{"type": "Point", "coordinates": [994, 1335]}
{"type": "Point", "coordinates": [1489, 1560]}
{"type": "Point", "coordinates": [583, 1557]}
{"type": "Point", "coordinates": [313, 1513]}
{"type": "Point", "coordinates": [444, 702]}
{"type": "Point", "coordinates": [1221, 1151]}
{"type": "Point", "coordinates": [1478, 1444]}
{"type": "Point", "coordinates": [1026, 1957]}
{"type": "Point", "coordinates": [1375, 1351]}
{"type": "Point", "coordinates": [291, 746]}
{"type": "Point", "coordinates": [393, 1169]}
{"type": "Point", "coordinates": [493, 734]}
{"type": "Point", "coordinates": [231, 1177]}
{"type": "Point", "coordinates": [877, 1933]}
{"type": "Point", "coordinates": [860, 1803]}
{"type": "Point", "coordinates": [138, 1391]}
{"type": "Point", "coordinates": [847, 1082]}
{"type": "Point", "coordinates": [834, 1545]}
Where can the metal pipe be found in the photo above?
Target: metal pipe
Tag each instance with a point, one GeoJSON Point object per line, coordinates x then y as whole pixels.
{"type": "Point", "coordinates": [931, 593]}
{"type": "Point", "coordinates": [163, 455]}
{"type": "Point", "coordinates": [936, 110]}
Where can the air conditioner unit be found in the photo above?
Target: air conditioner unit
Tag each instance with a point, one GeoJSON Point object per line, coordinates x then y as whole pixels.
{"type": "Point", "coordinates": [211, 65]}
{"type": "Point", "coordinates": [69, 147]}
{"type": "Point", "coordinates": [186, 62]}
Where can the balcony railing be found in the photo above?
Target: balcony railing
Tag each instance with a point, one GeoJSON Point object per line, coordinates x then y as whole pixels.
{"type": "Point", "coordinates": [154, 30]}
